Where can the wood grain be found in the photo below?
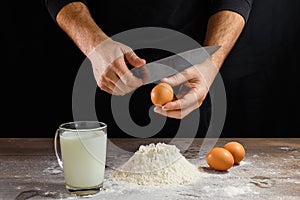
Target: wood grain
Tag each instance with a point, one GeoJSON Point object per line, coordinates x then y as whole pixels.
{"type": "Point", "coordinates": [271, 170]}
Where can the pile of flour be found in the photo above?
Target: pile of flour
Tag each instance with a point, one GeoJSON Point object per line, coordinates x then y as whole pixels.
{"type": "Point", "coordinates": [156, 164]}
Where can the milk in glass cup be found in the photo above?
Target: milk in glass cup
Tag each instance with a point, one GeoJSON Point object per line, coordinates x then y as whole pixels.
{"type": "Point", "coordinates": [83, 155]}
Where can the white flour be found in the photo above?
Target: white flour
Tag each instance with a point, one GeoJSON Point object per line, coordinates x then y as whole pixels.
{"type": "Point", "coordinates": [156, 164]}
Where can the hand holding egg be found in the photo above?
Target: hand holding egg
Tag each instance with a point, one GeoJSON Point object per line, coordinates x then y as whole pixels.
{"type": "Point", "coordinates": [161, 94]}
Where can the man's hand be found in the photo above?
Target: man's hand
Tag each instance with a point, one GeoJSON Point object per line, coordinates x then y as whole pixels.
{"type": "Point", "coordinates": [224, 28]}
{"type": "Point", "coordinates": [193, 90]}
{"type": "Point", "coordinates": [107, 56]}
{"type": "Point", "coordinates": [109, 60]}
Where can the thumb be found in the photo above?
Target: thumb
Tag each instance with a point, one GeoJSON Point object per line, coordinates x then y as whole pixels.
{"type": "Point", "coordinates": [176, 79]}
{"type": "Point", "coordinates": [134, 60]}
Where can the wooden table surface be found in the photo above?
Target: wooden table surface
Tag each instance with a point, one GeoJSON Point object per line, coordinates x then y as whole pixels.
{"type": "Point", "coordinates": [270, 170]}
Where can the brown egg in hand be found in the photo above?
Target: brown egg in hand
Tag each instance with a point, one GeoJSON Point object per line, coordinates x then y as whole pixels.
{"type": "Point", "coordinates": [237, 150]}
{"type": "Point", "coordinates": [219, 159]}
{"type": "Point", "coordinates": [161, 94]}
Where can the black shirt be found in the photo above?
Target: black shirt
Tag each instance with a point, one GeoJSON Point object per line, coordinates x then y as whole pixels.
{"type": "Point", "coordinates": [185, 16]}
{"type": "Point", "coordinates": [188, 17]}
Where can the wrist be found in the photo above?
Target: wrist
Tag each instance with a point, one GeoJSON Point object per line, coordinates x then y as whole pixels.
{"type": "Point", "coordinates": [218, 59]}
{"type": "Point", "coordinates": [208, 71]}
{"type": "Point", "coordinates": [76, 20]}
{"type": "Point", "coordinates": [95, 41]}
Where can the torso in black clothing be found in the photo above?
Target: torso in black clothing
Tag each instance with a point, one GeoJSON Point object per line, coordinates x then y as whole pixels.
{"type": "Point", "coordinates": [187, 17]}
{"type": "Point", "coordinates": [190, 18]}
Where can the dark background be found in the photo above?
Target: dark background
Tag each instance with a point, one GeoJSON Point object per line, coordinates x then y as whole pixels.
{"type": "Point", "coordinates": [41, 62]}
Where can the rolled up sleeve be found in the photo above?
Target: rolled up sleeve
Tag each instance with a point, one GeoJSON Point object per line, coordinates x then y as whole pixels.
{"type": "Point", "coordinates": [54, 6]}
{"type": "Point", "coordinates": [242, 7]}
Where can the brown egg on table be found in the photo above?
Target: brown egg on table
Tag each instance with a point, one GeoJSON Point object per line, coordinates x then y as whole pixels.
{"type": "Point", "coordinates": [219, 159]}
{"type": "Point", "coordinates": [237, 150]}
{"type": "Point", "coordinates": [161, 94]}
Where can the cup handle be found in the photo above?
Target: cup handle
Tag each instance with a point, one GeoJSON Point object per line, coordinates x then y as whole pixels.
{"type": "Point", "coordinates": [55, 149]}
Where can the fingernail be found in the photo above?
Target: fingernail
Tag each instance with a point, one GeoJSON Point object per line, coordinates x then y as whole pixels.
{"type": "Point", "coordinates": [164, 80]}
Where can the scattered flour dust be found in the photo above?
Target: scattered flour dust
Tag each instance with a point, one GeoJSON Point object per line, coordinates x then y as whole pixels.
{"type": "Point", "coordinates": [156, 164]}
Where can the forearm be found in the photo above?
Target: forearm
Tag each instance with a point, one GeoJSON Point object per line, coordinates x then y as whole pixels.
{"type": "Point", "coordinates": [76, 20]}
{"type": "Point", "coordinates": [224, 28]}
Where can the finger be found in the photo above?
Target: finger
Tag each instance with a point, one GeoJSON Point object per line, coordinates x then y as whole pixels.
{"type": "Point", "coordinates": [119, 86]}
{"type": "Point", "coordinates": [177, 114]}
{"type": "Point", "coordinates": [109, 87]}
{"type": "Point", "coordinates": [125, 75]}
{"type": "Point", "coordinates": [124, 88]}
{"type": "Point", "coordinates": [188, 100]}
{"type": "Point", "coordinates": [109, 76]}
{"type": "Point", "coordinates": [145, 75]}
{"type": "Point", "coordinates": [134, 60]}
{"type": "Point", "coordinates": [158, 110]}
{"type": "Point", "coordinates": [117, 91]}
{"type": "Point", "coordinates": [105, 88]}
{"type": "Point", "coordinates": [177, 79]}
{"type": "Point", "coordinates": [183, 90]}
{"type": "Point", "coordinates": [110, 79]}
